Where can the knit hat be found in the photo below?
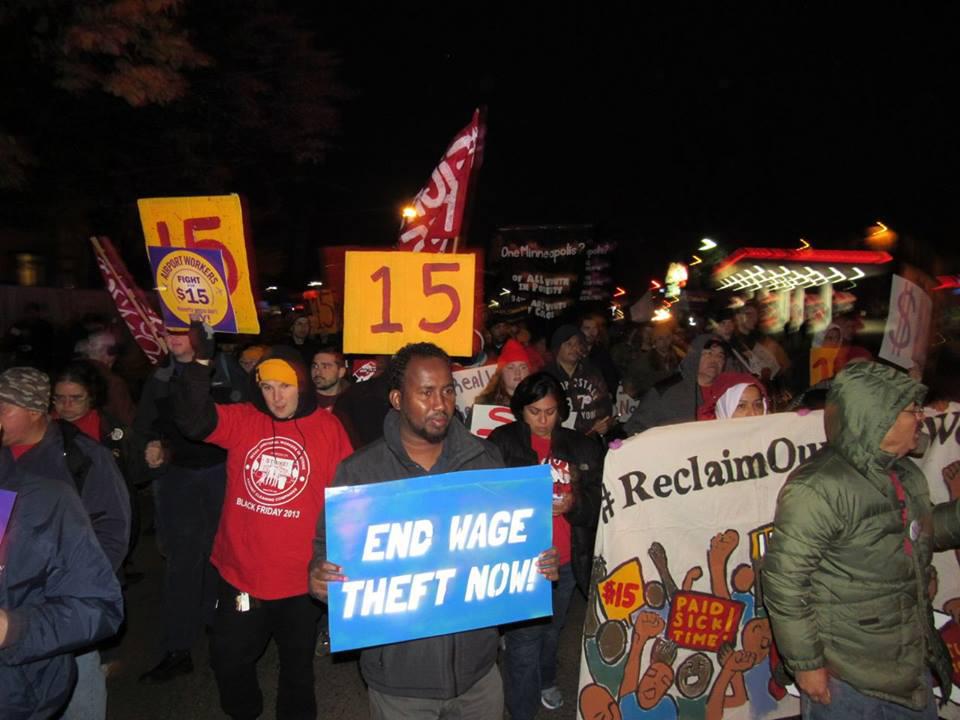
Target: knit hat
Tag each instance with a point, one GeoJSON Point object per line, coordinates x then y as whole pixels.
{"type": "Point", "coordinates": [253, 353]}
{"type": "Point", "coordinates": [564, 333]}
{"type": "Point", "coordinates": [277, 369]}
{"type": "Point", "coordinates": [513, 351]}
{"type": "Point", "coordinates": [25, 387]}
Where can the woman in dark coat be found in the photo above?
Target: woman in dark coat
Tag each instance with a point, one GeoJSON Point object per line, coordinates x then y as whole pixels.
{"type": "Point", "coordinates": [536, 437]}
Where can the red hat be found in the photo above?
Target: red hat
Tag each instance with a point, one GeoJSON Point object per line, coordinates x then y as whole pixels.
{"type": "Point", "coordinates": [513, 352]}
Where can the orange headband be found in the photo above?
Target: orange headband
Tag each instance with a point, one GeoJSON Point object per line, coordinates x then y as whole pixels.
{"type": "Point", "coordinates": [276, 369]}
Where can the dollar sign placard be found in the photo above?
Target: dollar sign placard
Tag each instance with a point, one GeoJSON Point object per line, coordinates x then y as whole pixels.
{"type": "Point", "coordinates": [621, 592]}
{"type": "Point", "coordinates": [906, 307]}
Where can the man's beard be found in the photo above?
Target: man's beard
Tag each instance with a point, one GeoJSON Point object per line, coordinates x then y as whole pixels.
{"type": "Point", "coordinates": [432, 438]}
{"type": "Point", "coordinates": [332, 383]}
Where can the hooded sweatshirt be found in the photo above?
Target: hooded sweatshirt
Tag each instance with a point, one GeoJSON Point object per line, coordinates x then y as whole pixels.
{"type": "Point", "coordinates": [674, 399]}
{"type": "Point", "coordinates": [276, 474]}
{"type": "Point", "coordinates": [846, 576]}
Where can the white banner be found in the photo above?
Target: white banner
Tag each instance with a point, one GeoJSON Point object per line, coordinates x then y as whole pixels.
{"type": "Point", "coordinates": [908, 325]}
{"type": "Point", "coordinates": [470, 382]}
{"type": "Point", "coordinates": [686, 512]}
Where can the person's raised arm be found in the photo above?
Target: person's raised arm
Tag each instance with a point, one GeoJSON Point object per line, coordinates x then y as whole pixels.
{"type": "Point", "coordinates": [194, 411]}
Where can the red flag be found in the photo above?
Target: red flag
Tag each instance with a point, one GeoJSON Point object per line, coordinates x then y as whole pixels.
{"type": "Point", "coordinates": [440, 203]}
{"type": "Point", "coordinates": [144, 323]}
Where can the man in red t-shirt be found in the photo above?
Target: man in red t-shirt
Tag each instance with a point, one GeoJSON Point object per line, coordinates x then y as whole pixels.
{"type": "Point", "coordinates": [282, 451]}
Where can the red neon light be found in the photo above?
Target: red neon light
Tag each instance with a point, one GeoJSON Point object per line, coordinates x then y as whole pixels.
{"type": "Point", "coordinates": [620, 292]}
{"type": "Point", "coordinates": [654, 285]}
{"type": "Point", "coordinates": [947, 282]}
{"type": "Point", "coordinates": [310, 295]}
{"type": "Point", "coordinates": [806, 255]}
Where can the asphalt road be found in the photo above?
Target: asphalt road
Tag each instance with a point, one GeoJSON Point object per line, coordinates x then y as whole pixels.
{"type": "Point", "coordinates": [340, 690]}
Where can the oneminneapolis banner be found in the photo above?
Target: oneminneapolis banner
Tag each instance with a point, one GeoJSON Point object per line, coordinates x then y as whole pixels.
{"type": "Point", "coordinates": [686, 514]}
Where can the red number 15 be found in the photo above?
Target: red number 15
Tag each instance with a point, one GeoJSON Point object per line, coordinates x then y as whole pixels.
{"type": "Point", "coordinates": [429, 288]}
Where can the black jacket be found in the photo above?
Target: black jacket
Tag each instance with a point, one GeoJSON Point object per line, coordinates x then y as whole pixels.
{"type": "Point", "coordinates": [587, 392]}
{"type": "Point", "coordinates": [586, 463]}
{"type": "Point", "coordinates": [155, 414]}
{"type": "Point", "coordinates": [445, 666]}
{"type": "Point", "coordinates": [103, 493]}
{"type": "Point", "coordinates": [58, 589]}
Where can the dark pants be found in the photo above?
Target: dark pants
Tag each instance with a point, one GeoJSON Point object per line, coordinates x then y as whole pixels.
{"type": "Point", "coordinates": [530, 660]}
{"type": "Point", "coordinates": [188, 503]}
{"type": "Point", "coordinates": [483, 701]}
{"type": "Point", "coordinates": [240, 638]}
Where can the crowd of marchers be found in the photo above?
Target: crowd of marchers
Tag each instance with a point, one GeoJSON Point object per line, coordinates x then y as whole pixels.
{"type": "Point", "coordinates": [220, 436]}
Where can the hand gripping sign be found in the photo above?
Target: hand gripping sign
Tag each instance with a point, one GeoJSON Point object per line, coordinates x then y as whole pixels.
{"type": "Point", "coordinates": [199, 225]}
{"type": "Point", "coordinates": [437, 554]}
{"type": "Point", "coordinates": [395, 298]}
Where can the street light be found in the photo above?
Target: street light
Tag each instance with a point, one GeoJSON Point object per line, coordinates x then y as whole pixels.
{"type": "Point", "coordinates": [409, 212]}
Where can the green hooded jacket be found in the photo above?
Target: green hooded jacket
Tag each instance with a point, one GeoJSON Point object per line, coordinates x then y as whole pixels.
{"type": "Point", "coordinates": [841, 591]}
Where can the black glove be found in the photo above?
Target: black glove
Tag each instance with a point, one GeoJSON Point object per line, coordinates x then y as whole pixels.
{"type": "Point", "coordinates": [201, 339]}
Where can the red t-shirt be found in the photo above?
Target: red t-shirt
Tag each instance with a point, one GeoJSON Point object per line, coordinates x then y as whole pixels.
{"type": "Point", "coordinates": [276, 474]}
{"type": "Point", "coordinates": [560, 470]}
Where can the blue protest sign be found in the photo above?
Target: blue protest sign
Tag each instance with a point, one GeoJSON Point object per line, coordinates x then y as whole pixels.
{"type": "Point", "coordinates": [438, 554]}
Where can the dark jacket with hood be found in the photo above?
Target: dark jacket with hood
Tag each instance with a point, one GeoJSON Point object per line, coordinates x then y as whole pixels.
{"type": "Point", "coordinates": [445, 666]}
{"type": "Point", "coordinates": [99, 482]}
{"type": "Point", "coordinates": [58, 590]}
{"type": "Point", "coordinates": [588, 393]}
{"type": "Point", "coordinates": [586, 465]}
{"type": "Point", "coordinates": [155, 413]}
{"type": "Point", "coordinates": [674, 399]}
{"type": "Point", "coordinates": [840, 587]}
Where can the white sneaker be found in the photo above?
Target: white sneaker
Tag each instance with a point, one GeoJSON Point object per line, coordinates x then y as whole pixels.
{"type": "Point", "coordinates": [551, 698]}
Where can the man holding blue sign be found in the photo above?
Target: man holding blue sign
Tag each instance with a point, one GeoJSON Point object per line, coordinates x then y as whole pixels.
{"type": "Point", "coordinates": [431, 676]}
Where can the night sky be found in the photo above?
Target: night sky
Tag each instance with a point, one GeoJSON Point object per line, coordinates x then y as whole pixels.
{"type": "Point", "coordinates": [659, 125]}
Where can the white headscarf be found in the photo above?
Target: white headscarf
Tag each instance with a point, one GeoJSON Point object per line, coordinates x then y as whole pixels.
{"type": "Point", "coordinates": [727, 403]}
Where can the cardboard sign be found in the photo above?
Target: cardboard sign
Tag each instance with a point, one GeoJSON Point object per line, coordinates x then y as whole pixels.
{"type": "Point", "coordinates": [823, 363]}
{"type": "Point", "coordinates": [208, 223]}
{"type": "Point", "coordinates": [486, 418]}
{"type": "Point", "coordinates": [7, 498]}
{"type": "Point", "coordinates": [438, 554]}
{"type": "Point", "coordinates": [192, 286]}
{"type": "Point", "coordinates": [470, 382]}
{"type": "Point", "coordinates": [395, 298]}
{"type": "Point", "coordinates": [908, 325]}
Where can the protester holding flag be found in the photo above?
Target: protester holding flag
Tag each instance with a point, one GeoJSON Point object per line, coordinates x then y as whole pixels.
{"type": "Point", "coordinates": [536, 437]}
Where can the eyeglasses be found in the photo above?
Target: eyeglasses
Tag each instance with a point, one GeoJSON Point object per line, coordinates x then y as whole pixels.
{"type": "Point", "coordinates": [71, 399]}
